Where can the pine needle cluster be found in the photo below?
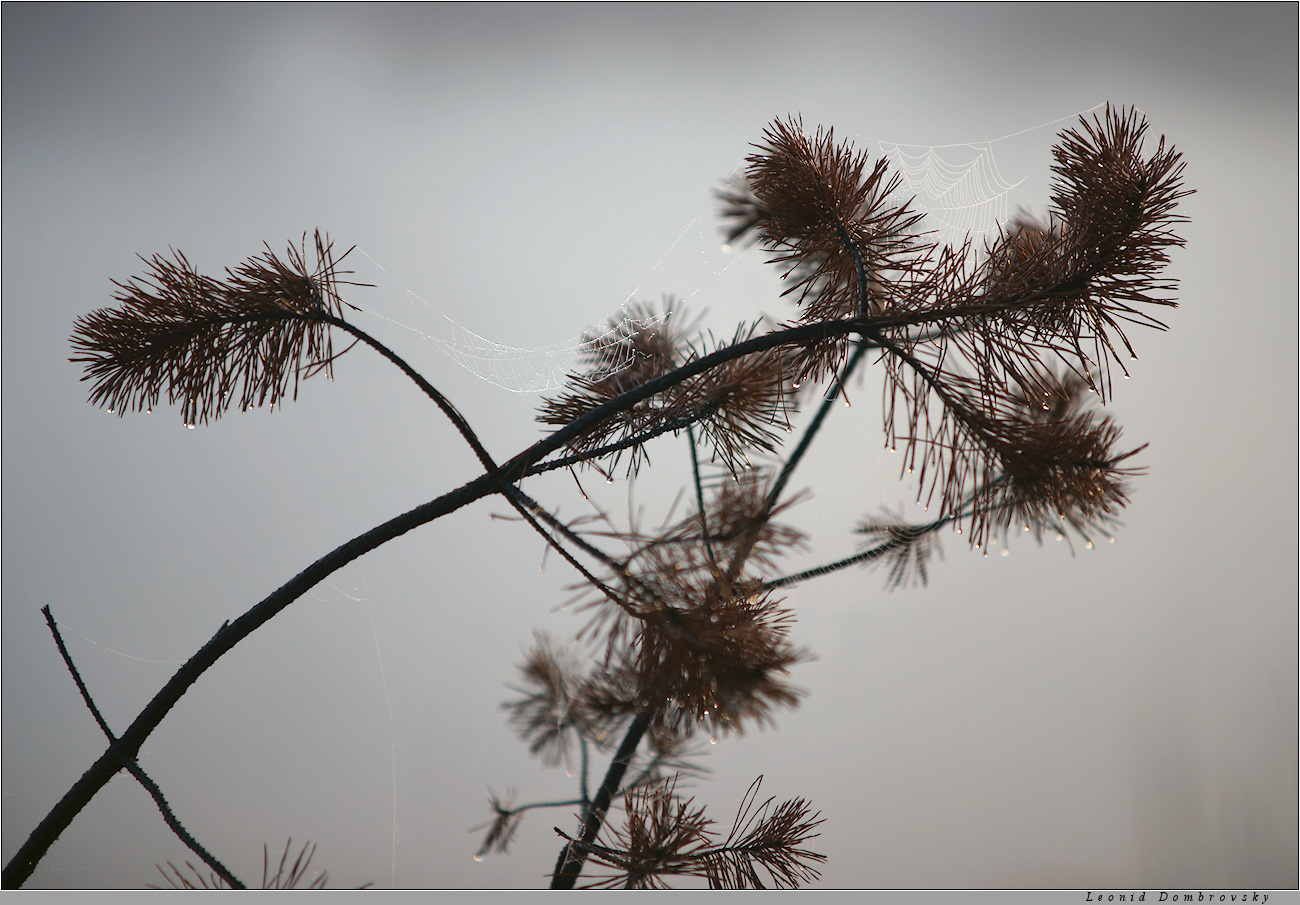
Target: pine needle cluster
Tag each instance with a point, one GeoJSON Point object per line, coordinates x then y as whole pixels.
{"type": "Point", "coordinates": [208, 344]}
{"type": "Point", "coordinates": [288, 875]}
{"type": "Point", "coordinates": [664, 836]}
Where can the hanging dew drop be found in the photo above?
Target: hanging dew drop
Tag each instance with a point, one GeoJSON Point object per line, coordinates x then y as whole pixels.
{"type": "Point", "coordinates": [478, 857]}
{"type": "Point", "coordinates": [713, 740]}
{"type": "Point", "coordinates": [189, 426]}
{"type": "Point", "coordinates": [1005, 551]}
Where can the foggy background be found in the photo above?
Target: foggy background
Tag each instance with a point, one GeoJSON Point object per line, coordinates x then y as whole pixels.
{"type": "Point", "coordinates": [1125, 716]}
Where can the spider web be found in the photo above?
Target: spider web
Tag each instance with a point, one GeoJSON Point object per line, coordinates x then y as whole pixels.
{"type": "Point", "coordinates": [963, 189]}
{"type": "Point", "coordinates": [959, 187]}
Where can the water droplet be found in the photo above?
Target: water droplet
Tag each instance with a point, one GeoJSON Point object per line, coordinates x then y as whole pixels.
{"type": "Point", "coordinates": [148, 411]}
{"type": "Point", "coordinates": [795, 385]}
{"type": "Point", "coordinates": [110, 411]}
{"type": "Point", "coordinates": [1005, 551]}
{"type": "Point", "coordinates": [568, 771]}
{"type": "Point", "coordinates": [891, 449]}
{"type": "Point", "coordinates": [714, 739]}
{"type": "Point", "coordinates": [610, 480]}
{"type": "Point", "coordinates": [959, 530]}
{"type": "Point", "coordinates": [726, 249]}
{"type": "Point", "coordinates": [1110, 540]}
{"type": "Point", "coordinates": [1088, 545]}
{"type": "Point", "coordinates": [1060, 536]}
{"type": "Point", "coordinates": [478, 857]}
{"type": "Point", "coordinates": [189, 427]}
{"type": "Point", "coordinates": [1026, 527]}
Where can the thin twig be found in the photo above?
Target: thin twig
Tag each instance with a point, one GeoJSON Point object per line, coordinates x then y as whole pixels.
{"type": "Point", "coordinates": [574, 855]}
{"type": "Point", "coordinates": [672, 426]}
{"type": "Point", "coordinates": [699, 497]}
{"type": "Point", "coordinates": [134, 768]}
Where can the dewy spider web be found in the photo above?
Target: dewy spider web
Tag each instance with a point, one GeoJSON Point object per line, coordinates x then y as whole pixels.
{"type": "Point", "coordinates": [963, 189]}
{"type": "Point", "coordinates": [960, 187]}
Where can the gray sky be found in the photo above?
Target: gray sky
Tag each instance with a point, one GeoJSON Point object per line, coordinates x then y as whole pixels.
{"type": "Point", "coordinates": [1122, 717]}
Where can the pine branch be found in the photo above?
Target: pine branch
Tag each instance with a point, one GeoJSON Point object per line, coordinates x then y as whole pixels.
{"type": "Point", "coordinates": [713, 643]}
